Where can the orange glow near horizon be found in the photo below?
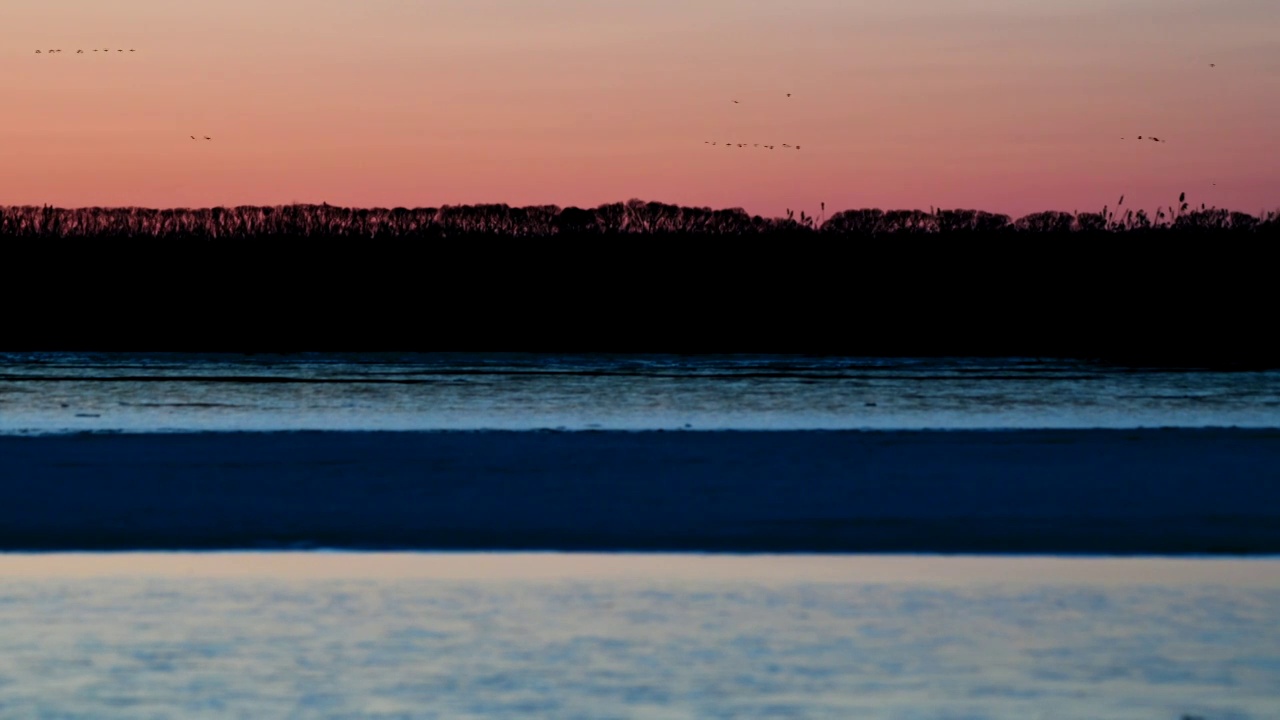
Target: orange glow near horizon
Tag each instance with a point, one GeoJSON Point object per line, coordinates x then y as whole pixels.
{"type": "Point", "coordinates": [1005, 105]}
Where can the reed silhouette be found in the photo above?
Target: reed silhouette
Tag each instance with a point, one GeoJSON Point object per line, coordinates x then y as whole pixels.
{"type": "Point", "coordinates": [1180, 286]}
{"type": "Point", "coordinates": [630, 218]}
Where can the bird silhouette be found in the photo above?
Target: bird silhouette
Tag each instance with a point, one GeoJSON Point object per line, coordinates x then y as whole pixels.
{"type": "Point", "coordinates": [37, 52]}
{"type": "Point", "coordinates": [788, 94]}
{"type": "Point", "coordinates": [79, 52]}
{"type": "Point", "coordinates": [797, 147]}
{"type": "Point", "coordinates": [206, 137]}
{"type": "Point", "coordinates": [1212, 65]}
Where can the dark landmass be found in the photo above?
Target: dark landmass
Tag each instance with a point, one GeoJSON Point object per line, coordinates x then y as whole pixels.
{"type": "Point", "coordinates": [1187, 287]}
{"type": "Point", "coordinates": [1176, 491]}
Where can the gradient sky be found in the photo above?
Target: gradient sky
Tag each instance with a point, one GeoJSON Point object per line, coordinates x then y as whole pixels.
{"type": "Point", "coordinates": [1006, 105]}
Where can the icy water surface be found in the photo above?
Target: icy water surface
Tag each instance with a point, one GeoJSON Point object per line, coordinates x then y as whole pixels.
{"type": "Point", "coordinates": [637, 636]}
{"type": "Point", "coordinates": [158, 392]}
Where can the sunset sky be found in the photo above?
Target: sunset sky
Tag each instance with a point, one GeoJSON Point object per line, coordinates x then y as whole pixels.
{"type": "Point", "coordinates": [1006, 105]}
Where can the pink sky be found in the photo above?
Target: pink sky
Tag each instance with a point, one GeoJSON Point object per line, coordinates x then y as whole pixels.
{"type": "Point", "coordinates": [1006, 105]}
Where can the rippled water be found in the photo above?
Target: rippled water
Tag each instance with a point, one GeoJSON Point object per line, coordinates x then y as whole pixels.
{"type": "Point", "coordinates": [640, 636]}
{"type": "Point", "coordinates": [61, 392]}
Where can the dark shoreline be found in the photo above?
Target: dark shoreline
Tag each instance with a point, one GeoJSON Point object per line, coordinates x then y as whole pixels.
{"type": "Point", "coordinates": [1092, 492]}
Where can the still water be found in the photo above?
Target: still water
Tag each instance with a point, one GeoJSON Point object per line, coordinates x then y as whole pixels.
{"type": "Point", "coordinates": [63, 392]}
{"type": "Point", "coordinates": [333, 635]}
{"type": "Point", "coordinates": [421, 635]}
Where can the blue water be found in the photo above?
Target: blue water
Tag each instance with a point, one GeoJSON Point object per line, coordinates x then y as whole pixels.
{"type": "Point", "coordinates": [42, 393]}
{"type": "Point", "coordinates": [633, 635]}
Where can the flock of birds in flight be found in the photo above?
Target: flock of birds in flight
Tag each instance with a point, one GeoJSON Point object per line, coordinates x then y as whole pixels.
{"type": "Point", "coordinates": [81, 52]}
{"type": "Point", "coordinates": [1151, 138]}
{"type": "Point", "coordinates": [704, 142]}
{"type": "Point", "coordinates": [754, 145]}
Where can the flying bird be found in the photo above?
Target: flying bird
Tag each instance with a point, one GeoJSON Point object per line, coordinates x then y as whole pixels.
{"type": "Point", "coordinates": [788, 94]}
{"type": "Point", "coordinates": [1212, 65]}
{"type": "Point", "coordinates": [78, 52]}
{"type": "Point", "coordinates": [206, 137]}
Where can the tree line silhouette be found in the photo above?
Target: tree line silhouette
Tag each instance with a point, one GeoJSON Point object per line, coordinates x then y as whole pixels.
{"type": "Point", "coordinates": [634, 217]}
